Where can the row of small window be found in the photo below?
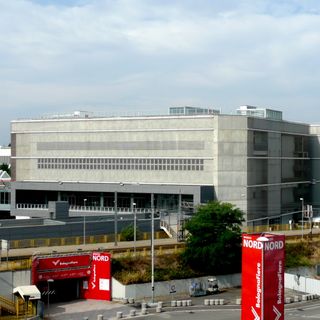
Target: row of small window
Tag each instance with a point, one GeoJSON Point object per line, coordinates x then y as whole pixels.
{"type": "Point", "coordinates": [4, 197]}
{"type": "Point", "coordinates": [121, 164]}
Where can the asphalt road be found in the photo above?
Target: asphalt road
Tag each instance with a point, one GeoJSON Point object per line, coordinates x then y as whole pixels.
{"type": "Point", "coordinates": [81, 309]}
{"type": "Point", "coordinates": [91, 309]}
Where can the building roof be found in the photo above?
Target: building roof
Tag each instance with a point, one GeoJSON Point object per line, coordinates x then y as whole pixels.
{"type": "Point", "coordinates": [27, 292]}
{"type": "Point", "coordinates": [4, 176]}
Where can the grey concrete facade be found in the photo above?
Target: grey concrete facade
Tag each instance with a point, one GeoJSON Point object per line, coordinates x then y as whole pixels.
{"type": "Point", "coordinates": [260, 165]}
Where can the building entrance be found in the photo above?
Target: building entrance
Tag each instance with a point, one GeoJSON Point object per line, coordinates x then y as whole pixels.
{"type": "Point", "coordinates": [60, 290]}
{"type": "Point", "coordinates": [68, 277]}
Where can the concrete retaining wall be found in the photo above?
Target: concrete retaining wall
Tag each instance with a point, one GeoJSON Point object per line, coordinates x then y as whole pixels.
{"type": "Point", "coordinates": [164, 288]}
{"type": "Point", "coordinates": [302, 284]}
{"type": "Point", "coordinates": [11, 279]}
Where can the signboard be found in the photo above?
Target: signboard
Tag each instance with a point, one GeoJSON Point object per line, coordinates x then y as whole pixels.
{"type": "Point", "coordinates": [61, 267]}
{"type": "Point", "coordinates": [263, 277]}
{"type": "Point", "coordinates": [64, 262]}
{"type": "Point", "coordinates": [99, 282]}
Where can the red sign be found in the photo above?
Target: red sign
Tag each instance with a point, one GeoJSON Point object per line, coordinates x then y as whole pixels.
{"type": "Point", "coordinates": [251, 281]}
{"type": "Point", "coordinates": [64, 262]}
{"type": "Point", "coordinates": [94, 270]}
{"type": "Point", "coordinates": [262, 277]}
{"type": "Point", "coordinates": [98, 285]}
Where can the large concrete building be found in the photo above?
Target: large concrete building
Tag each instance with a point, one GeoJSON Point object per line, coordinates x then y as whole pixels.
{"type": "Point", "coordinates": [261, 165]}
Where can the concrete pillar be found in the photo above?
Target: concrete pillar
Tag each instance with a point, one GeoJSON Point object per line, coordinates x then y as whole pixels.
{"type": "Point", "coordinates": [101, 200]}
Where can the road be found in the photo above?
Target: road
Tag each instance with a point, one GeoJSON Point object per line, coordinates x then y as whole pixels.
{"type": "Point", "coordinates": [92, 308]}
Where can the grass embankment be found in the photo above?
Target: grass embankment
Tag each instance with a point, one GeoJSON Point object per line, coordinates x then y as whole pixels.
{"type": "Point", "coordinates": [302, 254]}
{"type": "Point", "coordinates": [130, 269]}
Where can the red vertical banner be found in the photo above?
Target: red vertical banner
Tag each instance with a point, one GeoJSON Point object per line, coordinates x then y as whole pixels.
{"type": "Point", "coordinates": [263, 277]}
{"type": "Point", "coordinates": [98, 285]}
{"type": "Point", "coordinates": [251, 278]}
{"type": "Point", "coordinates": [274, 260]}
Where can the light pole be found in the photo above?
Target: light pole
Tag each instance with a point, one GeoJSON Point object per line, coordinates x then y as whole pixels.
{"type": "Point", "coordinates": [84, 222]}
{"type": "Point", "coordinates": [152, 246]}
{"type": "Point", "coordinates": [115, 218]}
{"type": "Point", "coordinates": [48, 282]}
{"type": "Point", "coordinates": [134, 228]}
{"type": "Point", "coordinates": [302, 215]}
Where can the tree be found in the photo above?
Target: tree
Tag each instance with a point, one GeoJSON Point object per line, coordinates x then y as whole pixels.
{"type": "Point", "coordinates": [5, 167]}
{"type": "Point", "coordinates": [127, 233]}
{"type": "Point", "coordinates": [214, 239]}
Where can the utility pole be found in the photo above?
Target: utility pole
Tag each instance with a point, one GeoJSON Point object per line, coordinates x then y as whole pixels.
{"type": "Point", "coordinates": [115, 218]}
{"type": "Point", "coordinates": [152, 246]}
{"type": "Point", "coordinates": [302, 216]}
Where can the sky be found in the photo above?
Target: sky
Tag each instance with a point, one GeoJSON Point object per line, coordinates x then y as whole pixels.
{"type": "Point", "coordinates": [133, 57]}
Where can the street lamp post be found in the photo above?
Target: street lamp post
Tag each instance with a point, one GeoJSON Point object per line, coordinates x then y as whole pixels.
{"type": "Point", "coordinates": [134, 227]}
{"type": "Point", "coordinates": [302, 215]}
{"type": "Point", "coordinates": [84, 222]}
{"type": "Point", "coordinates": [48, 282]}
{"type": "Point", "coordinates": [115, 218]}
{"type": "Point", "coordinates": [152, 246]}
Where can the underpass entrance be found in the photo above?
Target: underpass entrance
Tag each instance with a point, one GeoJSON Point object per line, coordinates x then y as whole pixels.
{"type": "Point", "coordinates": [66, 277]}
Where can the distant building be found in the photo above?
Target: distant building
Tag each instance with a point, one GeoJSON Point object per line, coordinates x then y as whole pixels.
{"type": "Point", "coordinates": [259, 164]}
{"type": "Point", "coordinates": [251, 111]}
{"type": "Point", "coordinates": [5, 154]}
{"type": "Point", "coordinates": [5, 189]}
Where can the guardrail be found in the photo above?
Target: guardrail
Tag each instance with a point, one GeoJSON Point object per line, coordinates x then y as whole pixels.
{"type": "Point", "coordinates": [280, 227]}
{"type": "Point", "coordinates": [16, 308]}
{"type": "Point", "coordinates": [37, 206]}
{"type": "Point", "coordinates": [7, 305]}
{"type": "Point", "coordinates": [109, 209]}
{"type": "Point", "coordinates": [50, 242]}
{"type": "Point", "coordinates": [29, 206]}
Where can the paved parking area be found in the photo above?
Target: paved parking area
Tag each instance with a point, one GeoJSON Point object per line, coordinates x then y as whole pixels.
{"type": "Point", "coordinates": [82, 309]}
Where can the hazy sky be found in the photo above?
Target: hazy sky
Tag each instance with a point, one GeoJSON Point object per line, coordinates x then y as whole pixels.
{"type": "Point", "coordinates": [143, 56]}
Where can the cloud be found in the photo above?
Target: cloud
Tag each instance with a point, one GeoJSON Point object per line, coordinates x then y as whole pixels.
{"type": "Point", "coordinates": [149, 55]}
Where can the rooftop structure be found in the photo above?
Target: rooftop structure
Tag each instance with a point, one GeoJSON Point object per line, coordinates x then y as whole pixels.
{"type": "Point", "coordinates": [252, 111]}
{"type": "Point", "coordinates": [191, 111]}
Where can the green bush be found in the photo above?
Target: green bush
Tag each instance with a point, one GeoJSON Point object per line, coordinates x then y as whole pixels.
{"type": "Point", "coordinates": [130, 269]}
{"type": "Point", "coordinates": [299, 254]}
{"type": "Point", "coordinates": [127, 233]}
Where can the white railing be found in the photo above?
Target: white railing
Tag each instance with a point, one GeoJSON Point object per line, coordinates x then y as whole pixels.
{"type": "Point", "coordinates": [28, 206]}
{"type": "Point", "coordinates": [108, 209]}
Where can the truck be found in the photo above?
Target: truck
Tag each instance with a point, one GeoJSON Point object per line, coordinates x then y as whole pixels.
{"type": "Point", "coordinates": [199, 288]}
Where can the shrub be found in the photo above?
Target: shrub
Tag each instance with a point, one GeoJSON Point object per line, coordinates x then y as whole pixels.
{"type": "Point", "coordinates": [299, 254]}
{"type": "Point", "coordinates": [127, 233]}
